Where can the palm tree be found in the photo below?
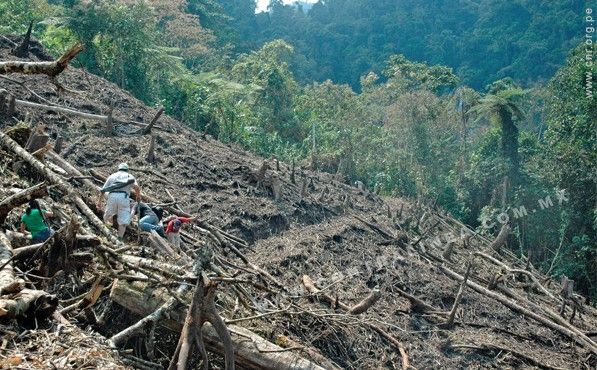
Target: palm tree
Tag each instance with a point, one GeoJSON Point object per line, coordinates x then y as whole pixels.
{"type": "Point", "coordinates": [501, 106]}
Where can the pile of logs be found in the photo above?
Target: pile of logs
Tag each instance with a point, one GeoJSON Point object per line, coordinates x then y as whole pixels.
{"type": "Point", "coordinates": [201, 325]}
{"type": "Point", "coordinates": [177, 289]}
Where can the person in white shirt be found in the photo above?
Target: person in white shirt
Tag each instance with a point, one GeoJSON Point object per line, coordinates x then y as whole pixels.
{"type": "Point", "coordinates": [119, 186]}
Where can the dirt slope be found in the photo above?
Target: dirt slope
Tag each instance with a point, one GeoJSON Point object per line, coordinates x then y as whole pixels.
{"type": "Point", "coordinates": [318, 235]}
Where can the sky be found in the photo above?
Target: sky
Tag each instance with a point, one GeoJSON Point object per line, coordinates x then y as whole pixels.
{"type": "Point", "coordinates": [262, 4]}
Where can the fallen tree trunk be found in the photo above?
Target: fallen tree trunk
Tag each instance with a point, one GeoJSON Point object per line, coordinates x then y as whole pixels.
{"type": "Point", "coordinates": [51, 69]}
{"type": "Point", "coordinates": [22, 197]}
{"type": "Point", "coordinates": [59, 109]}
{"type": "Point", "coordinates": [65, 187]}
{"type": "Point", "coordinates": [8, 282]}
{"type": "Point", "coordinates": [580, 338]}
{"type": "Point", "coordinates": [251, 351]}
{"type": "Point", "coordinates": [81, 241]}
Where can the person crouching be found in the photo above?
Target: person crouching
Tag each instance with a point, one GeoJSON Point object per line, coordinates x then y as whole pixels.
{"type": "Point", "coordinates": [173, 229]}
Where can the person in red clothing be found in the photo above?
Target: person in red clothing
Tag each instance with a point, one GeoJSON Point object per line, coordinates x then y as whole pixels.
{"type": "Point", "coordinates": [173, 229]}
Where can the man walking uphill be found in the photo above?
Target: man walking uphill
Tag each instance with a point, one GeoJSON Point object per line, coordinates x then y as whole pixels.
{"type": "Point", "coordinates": [119, 186]}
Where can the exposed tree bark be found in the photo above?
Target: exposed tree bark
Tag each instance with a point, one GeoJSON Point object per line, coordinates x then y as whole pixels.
{"type": "Point", "coordinates": [251, 351]}
{"type": "Point", "coordinates": [161, 245]}
{"type": "Point", "coordinates": [6, 205]}
{"type": "Point", "coordinates": [51, 69]}
{"type": "Point", "coordinates": [201, 310]}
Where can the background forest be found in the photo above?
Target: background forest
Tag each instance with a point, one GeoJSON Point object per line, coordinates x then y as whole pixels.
{"type": "Point", "coordinates": [479, 106]}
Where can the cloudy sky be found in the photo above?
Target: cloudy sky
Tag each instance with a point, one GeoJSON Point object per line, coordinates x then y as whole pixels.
{"type": "Point", "coordinates": [262, 4]}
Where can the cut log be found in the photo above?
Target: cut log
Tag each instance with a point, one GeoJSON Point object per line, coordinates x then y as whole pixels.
{"type": "Point", "coordinates": [65, 187]}
{"type": "Point", "coordinates": [251, 351]}
{"type": "Point", "coordinates": [82, 241]}
{"type": "Point", "coordinates": [161, 245]}
{"type": "Point", "coordinates": [6, 205]}
{"type": "Point", "coordinates": [28, 304]}
{"type": "Point", "coordinates": [51, 69]}
{"type": "Point", "coordinates": [8, 282]}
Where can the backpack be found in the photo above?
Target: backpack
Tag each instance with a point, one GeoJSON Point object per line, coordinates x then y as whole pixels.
{"type": "Point", "coordinates": [117, 185]}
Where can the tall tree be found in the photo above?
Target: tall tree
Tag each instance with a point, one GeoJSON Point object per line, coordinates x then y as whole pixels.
{"type": "Point", "coordinates": [501, 105]}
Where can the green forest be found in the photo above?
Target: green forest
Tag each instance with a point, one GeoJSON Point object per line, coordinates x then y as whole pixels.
{"type": "Point", "coordinates": [481, 107]}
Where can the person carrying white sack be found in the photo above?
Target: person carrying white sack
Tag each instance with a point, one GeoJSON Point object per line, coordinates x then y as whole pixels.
{"type": "Point", "coordinates": [119, 186]}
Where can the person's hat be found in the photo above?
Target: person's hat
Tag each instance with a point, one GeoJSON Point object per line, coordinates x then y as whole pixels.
{"type": "Point", "coordinates": [123, 167]}
{"type": "Point", "coordinates": [177, 223]}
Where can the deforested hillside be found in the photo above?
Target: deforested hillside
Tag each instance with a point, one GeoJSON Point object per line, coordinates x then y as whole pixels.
{"type": "Point", "coordinates": [290, 268]}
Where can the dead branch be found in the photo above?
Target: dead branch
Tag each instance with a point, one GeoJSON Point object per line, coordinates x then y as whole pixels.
{"type": "Point", "coordinates": [155, 118]}
{"type": "Point", "coordinates": [518, 271]}
{"type": "Point", "coordinates": [60, 246]}
{"type": "Point", "coordinates": [201, 310]}
{"type": "Point", "coordinates": [51, 69]}
{"type": "Point", "coordinates": [366, 303]}
{"type": "Point", "coordinates": [88, 299]}
{"type": "Point", "coordinates": [452, 315]}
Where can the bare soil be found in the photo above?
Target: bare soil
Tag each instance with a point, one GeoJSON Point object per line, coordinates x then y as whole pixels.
{"type": "Point", "coordinates": [317, 235]}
